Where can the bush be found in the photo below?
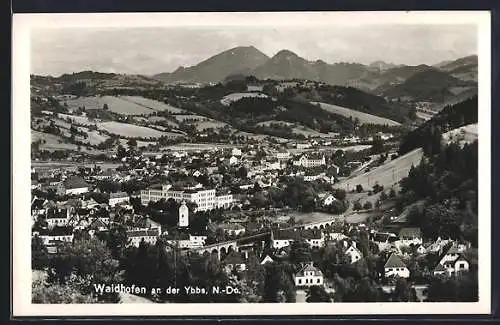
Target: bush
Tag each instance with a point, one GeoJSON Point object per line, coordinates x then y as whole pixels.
{"type": "Point", "coordinates": [383, 196]}
{"type": "Point", "coordinates": [368, 205]}
{"type": "Point", "coordinates": [357, 206]}
{"type": "Point", "coordinates": [392, 193]}
{"type": "Point", "coordinates": [359, 188]}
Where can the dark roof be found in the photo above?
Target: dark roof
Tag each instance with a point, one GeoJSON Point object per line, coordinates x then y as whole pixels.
{"type": "Point", "coordinates": [118, 195]}
{"type": "Point", "coordinates": [439, 268]}
{"type": "Point", "coordinates": [309, 268]}
{"type": "Point", "coordinates": [233, 258]}
{"type": "Point", "coordinates": [147, 223]}
{"type": "Point", "coordinates": [141, 233]}
{"type": "Point", "coordinates": [37, 204]}
{"type": "Point", "coordinates": [57, 214]}
{"type": "Point", "coordinates": [75, 182]}
{"type": "Point", "coordinates": [295, 235]}
{"type": "Point", "coordinates": [394, 261]}
{"type": "Point", "coordinates": [57, 231]}
{"type": "Point", "coordinates": [410, 233]}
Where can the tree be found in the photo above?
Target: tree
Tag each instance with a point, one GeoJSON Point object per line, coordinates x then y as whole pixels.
{"type": "Point", "coordinates": [317, 294]}
{"type": "Point", "coordinates": [39, 254]}
{"type": "Point", "coordinates": [403, 291]}
{"type": "Point", "coordinates": [359, 188]}
{"type": "Point", "coordinates": [300, 252]}
{"type": "Point", "coordinates": [132, 143]}
{"type": "Point", "coordinates": [392, 193]}
{"type": "Point", "coordinates": [90, 262]}
{"type": "Point", "coordinates": [357, 206]}
{"type": "Point", "coordinates": [45, 293]}
{"type": "Point", "coordinates": [368, 205]}
{"type": "Point", "coordinates": [105, 107]}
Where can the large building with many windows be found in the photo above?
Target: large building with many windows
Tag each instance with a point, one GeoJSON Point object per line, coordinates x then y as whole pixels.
{"type": "Point", "coordinates": [205, 199]}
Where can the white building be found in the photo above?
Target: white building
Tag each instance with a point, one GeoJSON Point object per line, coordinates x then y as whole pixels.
{"type": "Point", "coordinates": [57, 217]}
{"type": "Point", "coordinates": [283, 155]}
{"type": "Point", "coordinates": [310, 161]}
{"type": "Point", "coordinates": [135, 237]}
{"type": "Point", "coordinates": [329, 199]}
{"type": "Point", "coordinates": [204, 199]}
{"type": "Point", "coordinates": [409, 236]}
{"type": "Point", "coordinates": [232, 229]}
{"type": "Point", "coordinates": [117, 198]}
{"type": "Point", "coordinates": [233, 160]}
{"type": "Point", "coordinates": [236, 152]}
{"type": "Point", "coordinates": [308, 276]}
{"type": "Point", "coordinates": [73, 185]}
{"type": "Point", "coordinates": [183, 215]}
{"type": "Point", "coordinates": [197, 241]}
{"type": "Point", "coordinates": [395, 267]}
{"type": "Point", "coordinates": [353, 252]}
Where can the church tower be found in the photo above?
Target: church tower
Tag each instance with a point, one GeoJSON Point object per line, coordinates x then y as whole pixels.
{"type": "Point", "coordinates": [183, 215]}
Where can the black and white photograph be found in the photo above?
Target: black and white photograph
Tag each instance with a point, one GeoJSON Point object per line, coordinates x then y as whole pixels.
{"type": "Point", "coordinates": [320, 160]}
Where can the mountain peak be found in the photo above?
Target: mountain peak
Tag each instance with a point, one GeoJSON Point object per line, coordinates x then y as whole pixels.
{"type": "Point", "coordinates": [285, 54]}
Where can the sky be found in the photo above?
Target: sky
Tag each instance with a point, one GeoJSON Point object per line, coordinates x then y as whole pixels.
{"type": "Point", "coordinates": [148, 51]}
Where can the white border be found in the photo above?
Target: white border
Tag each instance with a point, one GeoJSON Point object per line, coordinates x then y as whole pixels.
{"type": "Point", "coordinates": [23, 23]}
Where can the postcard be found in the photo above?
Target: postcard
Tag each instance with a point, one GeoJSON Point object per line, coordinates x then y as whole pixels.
{"type": "Point", "coordinates": [284, 163]}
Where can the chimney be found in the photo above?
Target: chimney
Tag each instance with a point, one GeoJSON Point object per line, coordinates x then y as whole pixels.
{"type": "Point", "coordinates": [345, 244]}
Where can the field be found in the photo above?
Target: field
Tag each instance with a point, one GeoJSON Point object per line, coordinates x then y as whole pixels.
{"type": "Point", "coordinates": [228, 99]}
{"type": "Point", "coordinates": [464, 134]}
{"type": "Point", "coordinates": [267, 123]}
{"type": "Point", "coordinates": [152, 104]}
{"type": "Point", "coordinates": [183, 117]}
{"type": "Point", "coordinates": [140, 144]}
{"type": "Point", "coordinates": [52, 142]}
{"type": "Point", "coordinates": [307, 132]}
{"type": "Point", "coordinates": [130, 130]}
{"type": "Point", "coordinates": [115, 104]}
{"type": "Point", "coordinates": [212, 124]}
{"type": "Point", "coordinates": [364, 118]}
{"type": "Point", "coordinates": [387, 175]}
{"type": "Point", "coordinates": [76, 119]}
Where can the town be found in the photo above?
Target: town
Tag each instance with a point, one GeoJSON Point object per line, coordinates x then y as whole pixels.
{"type": "Point", "coordinates": [347, 212]}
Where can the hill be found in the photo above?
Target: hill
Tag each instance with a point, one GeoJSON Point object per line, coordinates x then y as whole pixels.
{"type": "Point", "coordinates": [217, 67]}
{"type": "Point", "coordinates": [429, 85]}
{"type": "Point", "coordinates": [386, 175]}
{"type": "Point", "coordinates": [463, 134]}
{"type": "Point", "coordinates": [363, 118]}
{"type": "Point", "coordinates": [429, 134]}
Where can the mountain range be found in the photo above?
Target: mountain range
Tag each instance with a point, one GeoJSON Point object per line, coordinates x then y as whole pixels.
{"type": "Point", "coordinates": [284, 65]}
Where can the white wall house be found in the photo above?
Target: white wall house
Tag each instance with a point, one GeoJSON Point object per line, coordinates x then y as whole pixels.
{"type": "Point", "coordinates": [117, 198]}
{"type": "Point", "coordinates": [310, 161]}
{"type": "Point", "coordinates": [204, 199]}
{"type": "Point", "coordinates": [72, 185]}
{"type": "Point", "coordinates": [395, 267]}
{"type": "Point", "coordinates": [136, 236]}
{"type": "Point", "coordinates": [353, 253]}
{"type": "Point", "coordinates": [308, 276]}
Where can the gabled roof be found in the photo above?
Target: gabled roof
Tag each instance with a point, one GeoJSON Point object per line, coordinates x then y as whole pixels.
{"type": "Point", "coordinates": [141, 233]}
{"type": "Point", "coordinates": [309, 268]}
{"type": "Point", "coordinates": [74, 182]}
{"type": "Point", "coordinates": [410, 232]}
{"type": "Point", "coordinates": [439, 268]}
{"type": "Point", "coordinates": [394, 261]}
{"type": "Point", "coordinates": [118, 195]}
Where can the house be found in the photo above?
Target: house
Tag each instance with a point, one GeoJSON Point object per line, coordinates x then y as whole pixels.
{"type": "Point", "coordinates": [232, 229]}
{"type": "Point", "coordinates": [394, 266]}
{"type": "Point", "coordinates": [283, 155]}
{"type": "Point", "coordinates": [105, 175]}
{"type": "Point", "coordinates": [310, 160]}
{"type": "Point", "coordinates": [267, 259]}
{"type": "Point", "coordinates": [329, 199]}
{"type": "Point", "coordinates": [135, 237]}
{"type": "Point", "coordinates": [352, 252]}
{"type": "Point", "coordinates": [148, 224]}
{"type": "Point", "coordinates": [452, 260]}
{"type": "Point", "coordinates": [284, 238]}
{"type": "Point", "coordinates": [236, 152]}
{"type": "Point", "coordinates": [409, 236]}
{"type": "Point", "coordinates": [460, 264]}
{"type": "Point", "coordinates": [117, 198]}
{"type": "Point", "coordinates": [421, 249]}
{"type": "Point", "coordinates": [57, 217]}
{"type": "Point", "coordinates": [72, 185]}
{"type": "Point", "coordinates": [197, 241]}
{"type": "Point", "coordinates": [308, 276]}
{"type": "Point", "coordinates": [233, 160]}
{"type": "Point", "coordinates": [234, 261]}
{"type": "Point", "coordinates": [57, 234]}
